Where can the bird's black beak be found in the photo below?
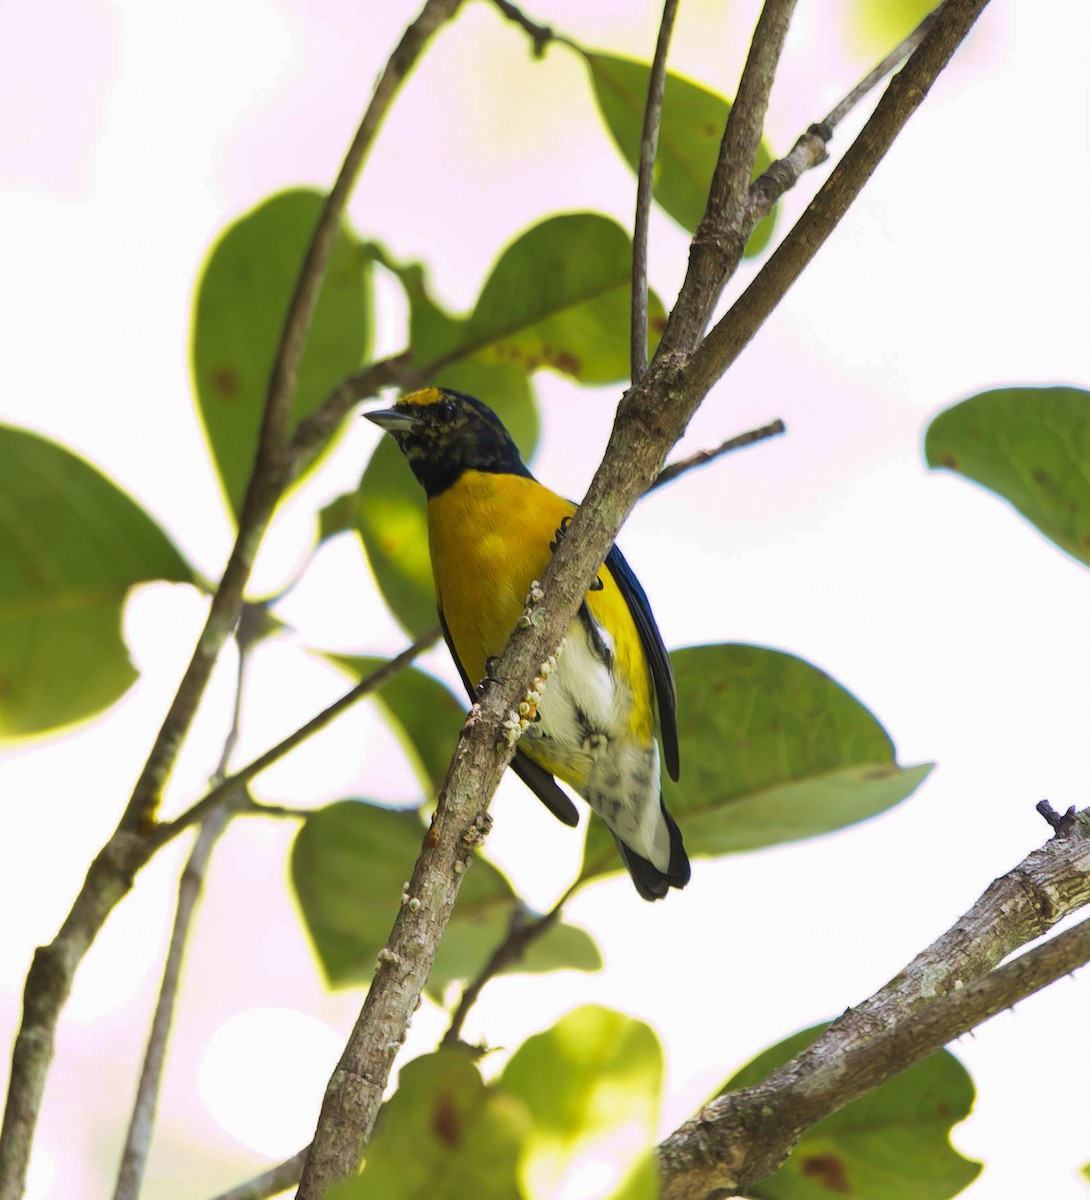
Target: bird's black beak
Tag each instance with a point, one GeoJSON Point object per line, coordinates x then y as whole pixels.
{"type": "Point", "coordinates": [395, 420]}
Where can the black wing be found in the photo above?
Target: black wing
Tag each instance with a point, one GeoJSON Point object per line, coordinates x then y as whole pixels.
{"type": "Point", "coordinates": [536, 778]}
{"type": "Point", "coordinates": [661, 671]}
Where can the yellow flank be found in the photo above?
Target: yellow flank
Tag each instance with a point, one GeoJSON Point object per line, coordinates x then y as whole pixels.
{"type": "Point", "coordinates": [489, 536]}
{"type": "Point", "coordinates": [423, 396]}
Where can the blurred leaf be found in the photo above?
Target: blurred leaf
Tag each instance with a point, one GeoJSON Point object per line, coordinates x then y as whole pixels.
{"type": "Point", "coordinates": [1030, 446]}
{"type": "Point", "coordinates": [338, 516]}
{"type": "Point", "coordinates": [772, 750]}
{"type": "Point", "coordinates": [592, 1084]}
{"type": "Point", "coordinates": [693, 120]}
{"type": "Point", "coordinates": [879, 25]}
{"type": "Point", "coordinates": [242, 301]}
{"type": "Point", "coordinates": [891, 1144]}
{"type": "Point", "coordinates": [72, 543]}
{"type": "Point", "coordinates": [422, 712]}
{"type": "Point", "coordinates": [443, 1135]}
{"type": "Point", "coordinates": [349, 864]}
{"type": "Point", "coordinates": [390, 513]}
{"type": "Point", "coordinates": [1086, 1171]}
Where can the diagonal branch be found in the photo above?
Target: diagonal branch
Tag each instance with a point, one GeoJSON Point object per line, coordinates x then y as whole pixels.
{"type": "Point", "coordinates": [948, 989]}
{"type": "Point", "coordinates": [649, 147]}
{"type": "Point", "coordinates": [110, 875]}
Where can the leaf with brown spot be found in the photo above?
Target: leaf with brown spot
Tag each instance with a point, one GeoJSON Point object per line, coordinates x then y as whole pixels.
{"type": "Point", "coordinates": [443, 1135]}
{"type": "Point", "coordinates": [1031, 447]}
{"type": "Point", "coordinates": [827, 1170]}
{"type": "Point", "coordinates": [241, 302]}
{"type": "Point", "coordinates": [891, 1144]}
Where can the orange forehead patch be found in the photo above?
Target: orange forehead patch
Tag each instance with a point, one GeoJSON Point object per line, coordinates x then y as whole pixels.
{"type": "Point", "coordinates": [423, 396]}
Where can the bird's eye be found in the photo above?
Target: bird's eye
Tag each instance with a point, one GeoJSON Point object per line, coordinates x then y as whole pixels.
{"type": "Point", "coordinates": [447, 410]}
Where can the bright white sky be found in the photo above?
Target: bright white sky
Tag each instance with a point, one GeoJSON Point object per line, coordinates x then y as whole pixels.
{"type": "Point", "coordinates": [129, 142]}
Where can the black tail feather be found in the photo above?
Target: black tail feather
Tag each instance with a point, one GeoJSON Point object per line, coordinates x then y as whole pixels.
{"type": "Point", "coordinates": [651, 883]}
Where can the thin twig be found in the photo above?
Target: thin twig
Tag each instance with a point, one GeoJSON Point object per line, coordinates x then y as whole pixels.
{"type": "Point", "coordinates": [370, 683]}
{"type": "Point", "coordinates": [138, 1139]}
{"type": "Point", "coordinates": [521, 935]}
{"type": "Point", "coordinates": [649, 148]}
{"type": "Point", "coordinates": [110, 875]}
{"type": "Point", "coordinates": [269, 1183]}
{"type": "Point", "coordinates": [540, 35]}
{"type": "Point", "coordinates": [702, 457]}
{"type": "Point", "coordinates": [811, 148]}
{"type": "Point", "coordinates": [134, 1154]}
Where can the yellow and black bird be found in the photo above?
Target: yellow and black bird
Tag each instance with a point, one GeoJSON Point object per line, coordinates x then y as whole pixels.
{"type": "Point", "coordinates": [491, 527]}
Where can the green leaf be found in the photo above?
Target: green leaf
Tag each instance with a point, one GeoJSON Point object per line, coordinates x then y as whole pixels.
{"type": "Point", "coordinates": [443, 1135]}
{"type": "Point", "coordinates": [559, 297]}
{"type": "Point", "coordinates": [242, 300]}
{"type": "Point", "coordinates": [891, 1144]}
{"type": "Point", "coordinates": [772, 750]}
{"type": "Point", "coordinates": [592, 1084]}
{"type": "Point", "coordinates": [422, 712]}
{"type": "Point", "coordinates": [338, 516]}
{"type": "Point", "coordinates": [879, 25]}
{"type": "Point", "coordinates": [72, 543]}
{"type": "Point", "coordinates": [1031, 446]}
{"type": "Point", "coordinates": [349, 864]}
{"type": "Point", "coordinates": [1086, 1171]}
{"type": "Point", "coordinates": [693, 120]}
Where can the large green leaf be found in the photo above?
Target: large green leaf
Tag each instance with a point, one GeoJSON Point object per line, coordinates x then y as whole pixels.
{"type": "Point", "coordinates": [242, 300]}
{"type": "Point", "coordinates": [71, 545]}
{"type": "Point", "coordinates": [772, 750]}
{"type": "Point", "coordinates": [559, 297]}
{"type": "Point", "coordinates": [1032, 447]}
{"type": "Point", "coordinates": [349, 864]}
{"type": "Point", "coordinates": [443, 1135]}
{"type": "Point", "coordinates": [592, 1084]}
{"type": "Point", "coordinates": [891, 1144]}
{"type": "Point", "coordinates": [693, 119]}
{"type": "Point", "coordinates": [421, 711]}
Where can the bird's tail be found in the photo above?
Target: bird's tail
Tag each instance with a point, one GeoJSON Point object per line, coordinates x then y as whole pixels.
{"type": "Point", "coordinates": [651, 883]}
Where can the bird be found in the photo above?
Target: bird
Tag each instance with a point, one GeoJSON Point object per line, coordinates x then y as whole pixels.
{"type": "Point", "coordinates": [492, 528]}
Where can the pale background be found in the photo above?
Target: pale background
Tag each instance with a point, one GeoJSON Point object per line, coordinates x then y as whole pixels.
{"type": "Point", "coordinates": [130, 134]}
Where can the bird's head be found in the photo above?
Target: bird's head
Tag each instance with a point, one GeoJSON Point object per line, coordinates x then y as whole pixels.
{"type": "Point", "coordinates": [444, 433]}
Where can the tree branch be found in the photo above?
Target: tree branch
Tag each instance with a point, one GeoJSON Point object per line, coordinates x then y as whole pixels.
{"type": "Point", "coordinates": [702, 457]}
{"type": "Point", "coordinates": [649, 146]}
{"type": "Point", "coordinates": [110, 875]}
{"type": "Point", "coordinates": [948, 989]}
